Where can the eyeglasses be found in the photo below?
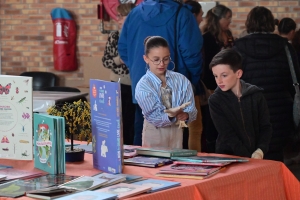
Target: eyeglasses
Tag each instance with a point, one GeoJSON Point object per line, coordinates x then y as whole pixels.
{"type": "Point", "coordinates": [165, 61]}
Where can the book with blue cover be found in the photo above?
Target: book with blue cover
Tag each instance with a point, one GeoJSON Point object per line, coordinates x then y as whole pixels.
{"type": "Point", "coordinates": [105, 98]}
{"type": "Point", "coordinates": [84, 183]}
{"type": "Point", "coordinates": [92, 195]}
{"type": "Point", "coordinates": [111, 178]}
{"type": "Point", "coordinates": [147, 161]}
{"type": "Point", "coordinates": [157, 185]}
{"type": "Point", "coordinates": [49, 138]}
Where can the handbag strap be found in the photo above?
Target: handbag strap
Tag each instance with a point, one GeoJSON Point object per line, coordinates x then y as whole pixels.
{"type": "Point", "coordinates": [175, 36]}
{"type": "Point", "coordinates": [291, 65]}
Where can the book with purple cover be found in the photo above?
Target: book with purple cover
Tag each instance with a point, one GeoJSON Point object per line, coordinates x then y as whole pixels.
{"type": "Point", "coordinates": [189, 169]}
{"type": "Point", "coordinates": [147, 161]}
{"type": "Point", "coordinates": [125, 190]}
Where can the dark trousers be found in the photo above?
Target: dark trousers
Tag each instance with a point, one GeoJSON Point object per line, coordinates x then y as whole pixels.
{"type": "Point", "coordinates": [128, 109]}
{"type": "Point", "coordinates": [138, 125]}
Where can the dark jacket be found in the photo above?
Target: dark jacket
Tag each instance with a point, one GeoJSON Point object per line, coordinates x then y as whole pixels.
{"type": "Point", "coordinates": [265, 64]}
{"type": "Point", "coordinates": [243, 125]}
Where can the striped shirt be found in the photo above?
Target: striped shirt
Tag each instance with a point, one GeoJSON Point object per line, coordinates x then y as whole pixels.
{"type": "Point", "coordinates": [148, 96]}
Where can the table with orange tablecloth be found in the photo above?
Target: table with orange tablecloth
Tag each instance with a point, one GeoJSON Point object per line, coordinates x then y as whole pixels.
{"type": "Point", "coordinates": [256, 179]}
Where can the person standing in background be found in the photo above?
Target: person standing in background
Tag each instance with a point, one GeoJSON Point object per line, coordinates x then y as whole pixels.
{"type": "Point", "coordinates": [120, 73]}
{"type": "Point", "coordinates": [217, 36]}
{"type": "Point", "coordinates": [265, 64]}
{"type": "Point", "coordinates": [286, 28]}
{"type": "Point", "coordinates": [195, 128]}
{"type": "Point", "coordinates": [158, 17]}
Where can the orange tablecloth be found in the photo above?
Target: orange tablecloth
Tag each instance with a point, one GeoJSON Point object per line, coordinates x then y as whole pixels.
{"type": "Point", "coordinates": [256, 179]}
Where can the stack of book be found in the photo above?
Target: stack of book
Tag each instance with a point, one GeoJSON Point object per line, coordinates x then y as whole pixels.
{"type": "Point", "coordinates": [165, 152]}
{"type": "Point", "coordinates": [197, 167]}
{"type": "Point", "coordinates": [49, 143]}
{"type": "Point", "coordinates": [129, 151]}
{"type": "Point", "coordinates": [147, 161]}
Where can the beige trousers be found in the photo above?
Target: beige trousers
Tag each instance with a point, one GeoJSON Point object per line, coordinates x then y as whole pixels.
{"type": "Point", "coordinates": [170, 136]}
{"type": "Point", "coordinates": [196, 128]}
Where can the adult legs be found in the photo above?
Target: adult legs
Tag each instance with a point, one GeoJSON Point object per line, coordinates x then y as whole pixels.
{"type": "Point", "coordinates": [138, 125]}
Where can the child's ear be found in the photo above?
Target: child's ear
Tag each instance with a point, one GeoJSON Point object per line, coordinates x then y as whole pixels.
{"type": "Point", "coordinates": [239, 73]}
{"type": "Point", "coordinates": [145, 59]}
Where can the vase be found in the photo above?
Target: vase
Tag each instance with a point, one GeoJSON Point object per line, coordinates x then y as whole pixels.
{"type": "Point", "coordinates": [77, 155]}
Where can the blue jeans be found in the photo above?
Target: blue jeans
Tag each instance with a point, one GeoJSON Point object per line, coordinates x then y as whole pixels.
{"type": "Point", "coordinates": [138, 125]}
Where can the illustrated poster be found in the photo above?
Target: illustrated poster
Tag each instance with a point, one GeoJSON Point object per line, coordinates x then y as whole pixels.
{"type": "Point", "coordinates": [16, 117]}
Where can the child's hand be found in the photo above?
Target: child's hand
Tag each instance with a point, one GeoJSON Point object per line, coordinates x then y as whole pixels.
{"type": "Point", "coordinates": [182, 116]}
{"type": "Point", "coordinates": [258, 154]}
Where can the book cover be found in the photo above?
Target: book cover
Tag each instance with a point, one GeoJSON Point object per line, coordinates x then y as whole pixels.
{"type": "Point", "coordinates": [50, 193]}
{"type": "Point", "coordinates": [105, 98]}
{"type": "Point", "coordinates": [2, 177]}
{"type": "Point", "coordinates": [189, 169]}
{"type": "Point", "coordinates": [147, 161]}
{"type": "Point", "coordinates": [131, 178]}
{"type": "Point", "coordinates": [19, 187]}
{"type": "Point", "coordinates": [165, 152]}
{"type": "Point", "coordinates": [209, 159]}
{"type": "Point", "coordinates": [52, 179]}
{"type": "Point", "coordinates": [12, 174]}
{"type": "Point", "coordinates": [84, 183]}
{"type": "Point", "coordinates": [89, 195]}
{"type": "Point", "coordinates": [157, 185]}
{"type": "Point", "coordinates": [129, 151]}
{"type": "Point", "coordinates": [111, 178]}
{"type": "Point", "coordinates": [125, 190]}
{"type": "Point", "coordinates": [16, 117]}
{"type": "Point", "coordinates": [48, 133]}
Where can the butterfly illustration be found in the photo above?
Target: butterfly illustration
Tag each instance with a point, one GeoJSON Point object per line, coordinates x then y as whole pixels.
{"type": "Point", "coordinates": [26, 115]}
{"type": "Point", "coordinates": [4, 140]}
{"type": "Point", "coordinates": [5, 89]}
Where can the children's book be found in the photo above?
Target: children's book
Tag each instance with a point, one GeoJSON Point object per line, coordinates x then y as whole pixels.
{"type": "Point", "coordinates": [52, 179]}
{"type": "Point", "coordinates": [131, 178]}
{"type": "Point", "coordinates": [209, 159]}
{"type": "Point", "coordinates": [147, 161]}
{"type": "Point", "coordinates": [12, 174]}
{"type": "Point", "coordinates": [189, 169]}
{"type": "Point", "coordinates": [125, 190]}
{"type": "Point", "coordinates": [19, 187]}
{"type": "Point", "coordinates": [2, 177]}
{"type": "Point", "coordinates": [107, 141]}
{"type": "Point", "coordinates": [165, 152]}
{"type": "Point", "coordinates": [16, 117]}
{"type": "Point", "coordinates": [221, 164]}
{"type": "Point", "coordinates": [49, 138]}
{"type": "Point", "coordinates": [50, 193]}
{"type": "Point", "coordinates": [130, 150]}
{"type": "Point", "coordinates": [199, 177]}
{"type": "Point", "coordinates": [111, 178]}
{"type": "Point", "coordinates": [5, 166]}
{"type": "Point", "coordinates": [84, 183]}
{"type": "Point", "coordinates": [92, 195]}
{"type": "Point", "coordinates": [157, 185]}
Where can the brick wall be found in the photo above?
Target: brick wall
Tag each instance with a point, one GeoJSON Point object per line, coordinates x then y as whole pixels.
{"type": "Point", "coordinates": [26, 30]}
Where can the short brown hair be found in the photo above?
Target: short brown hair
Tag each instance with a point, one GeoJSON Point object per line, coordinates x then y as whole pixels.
{"type": "Point", "coordinates": [227, 57]}
{"type": "Point", "coordinates": [260, 19]}
{"type": "Point", "coordinates": [124, 9]}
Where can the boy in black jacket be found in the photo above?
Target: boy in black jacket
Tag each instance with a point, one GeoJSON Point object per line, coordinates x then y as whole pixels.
{"type": "Point", "coordinates": [238, 109]}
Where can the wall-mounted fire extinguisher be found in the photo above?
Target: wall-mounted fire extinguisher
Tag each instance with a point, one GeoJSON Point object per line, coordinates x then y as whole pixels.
{"type": "Point", "coordinates": [64, 40]}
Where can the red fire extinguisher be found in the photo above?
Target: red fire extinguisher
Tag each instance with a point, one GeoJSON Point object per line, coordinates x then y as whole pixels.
{"type": "Point", "coordinates": [64, 40]}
